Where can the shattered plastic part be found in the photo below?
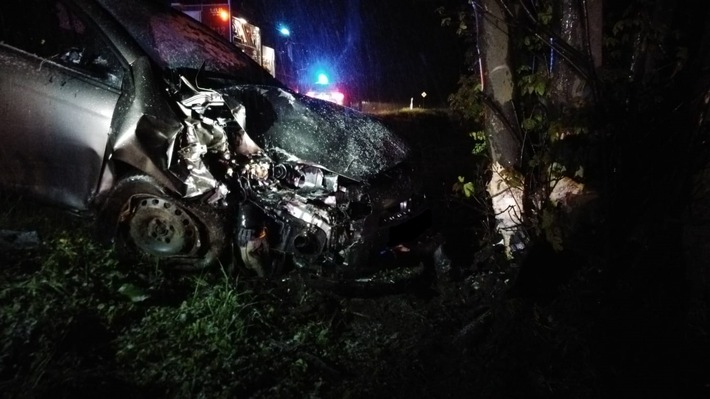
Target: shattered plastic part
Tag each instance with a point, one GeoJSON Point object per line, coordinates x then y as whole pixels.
{"type": "Point", "coordinates": [198, 179]}
{"type": "Point", "coordinates": [199, 135]}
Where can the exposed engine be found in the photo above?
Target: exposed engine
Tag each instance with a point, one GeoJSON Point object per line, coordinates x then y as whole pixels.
{"type": "Point", "coordinates": [286, 207]}
{"type": "Point", "coordinates": [301, 210]}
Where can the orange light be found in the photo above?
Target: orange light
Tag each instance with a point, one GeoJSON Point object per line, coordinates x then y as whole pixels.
{"type": "Point", "coordinates": [224, 14]}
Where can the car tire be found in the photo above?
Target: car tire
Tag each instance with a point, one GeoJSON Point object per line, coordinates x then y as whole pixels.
{"type": "Point", "coordinates": [144, 221]}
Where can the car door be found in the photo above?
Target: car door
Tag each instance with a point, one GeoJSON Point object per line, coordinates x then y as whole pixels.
{"type": "Point", "coordinates": [60, 81]}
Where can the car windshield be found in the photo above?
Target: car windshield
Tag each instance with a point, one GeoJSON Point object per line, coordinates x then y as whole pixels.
{"type": "Point", "coordinates": [177, 42]}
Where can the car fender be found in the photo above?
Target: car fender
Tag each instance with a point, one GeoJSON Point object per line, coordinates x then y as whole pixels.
{"type": "Point", "coordinates": [145, 127]}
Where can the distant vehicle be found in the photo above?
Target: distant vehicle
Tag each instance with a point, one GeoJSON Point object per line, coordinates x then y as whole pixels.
{"type": "Point", "coordinates": [332, 95]}
{"type": "Point", "coordinates": [323, 89]}
{"type": "Point", "coordinates": [187, 150]}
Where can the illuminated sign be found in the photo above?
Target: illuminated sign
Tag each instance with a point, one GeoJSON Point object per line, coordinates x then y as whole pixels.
{"type": "Point", "coordinates": [268, 59]}
{"type": "Point", "coordinates": [217, 18]}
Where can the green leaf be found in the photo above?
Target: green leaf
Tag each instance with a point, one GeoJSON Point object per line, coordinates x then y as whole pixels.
{"type": "Point", "coordinates": [134, 293]}
{"type": "Point", "coordinates": [468, 189]}
{"type": "Point", "coordinates": [529, 124]}
{"type": "Point", "coordinates": [461, 179]}
{"type": "Point", "coordinates": [540, 88]}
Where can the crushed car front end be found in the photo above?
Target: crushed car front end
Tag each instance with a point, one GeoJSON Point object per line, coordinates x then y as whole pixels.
{"type": "Point", "coordinates": [247, 166]}
{"type": "Point", "coordinates": [313, 185]}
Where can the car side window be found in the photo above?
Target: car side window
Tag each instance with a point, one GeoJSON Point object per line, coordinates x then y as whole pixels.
{"type": "Point", "coordinates": [53, 30]}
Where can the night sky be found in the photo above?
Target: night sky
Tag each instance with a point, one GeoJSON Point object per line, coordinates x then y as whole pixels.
{"type": "Point", "coordinates": [375, 50]}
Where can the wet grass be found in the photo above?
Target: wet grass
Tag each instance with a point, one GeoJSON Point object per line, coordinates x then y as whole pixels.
{"type": "Point", "coordinates": [75, 321]}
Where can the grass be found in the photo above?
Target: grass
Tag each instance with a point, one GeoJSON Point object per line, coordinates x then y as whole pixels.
{"type": "Point", "coordinates": [75, 322]}
{"type": "Point", "coordinates": [72, 317]}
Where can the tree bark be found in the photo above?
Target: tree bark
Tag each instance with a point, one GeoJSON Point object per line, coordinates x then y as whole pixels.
{"type": "Point", "coordinates": [505, 186]}
{"type": "Point", "coordinates": [569, 88]}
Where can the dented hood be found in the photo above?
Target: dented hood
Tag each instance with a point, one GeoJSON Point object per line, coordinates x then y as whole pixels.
{"type": "Point", "coordinates": [340, 139]}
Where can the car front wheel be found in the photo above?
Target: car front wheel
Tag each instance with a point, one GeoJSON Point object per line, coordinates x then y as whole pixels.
{"type": "Point", "coordinates": [147, 221]}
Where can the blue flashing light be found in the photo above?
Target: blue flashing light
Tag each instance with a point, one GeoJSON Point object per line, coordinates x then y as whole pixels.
{"type": "Point", "coordinates": [284, 30]}
{"type": "Point", "coordinates": [322, 79]}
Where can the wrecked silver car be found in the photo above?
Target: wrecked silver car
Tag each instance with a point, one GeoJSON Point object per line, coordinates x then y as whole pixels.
{"type": "Point", "coordinates": [186, 149]}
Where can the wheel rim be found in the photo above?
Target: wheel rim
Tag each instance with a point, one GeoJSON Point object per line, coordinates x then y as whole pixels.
{"type": "Point", "coordinates": [161, 228]}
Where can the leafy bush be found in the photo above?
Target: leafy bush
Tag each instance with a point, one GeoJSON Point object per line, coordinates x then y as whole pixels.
{"type": "Point", "coordinates": [53, 319]}
{"type": "Point", "coordinates": [195, 349]}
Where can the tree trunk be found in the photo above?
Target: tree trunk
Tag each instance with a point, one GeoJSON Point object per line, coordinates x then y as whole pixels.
{"type": "Point", "coordinates": [570, 92]}
{"type": "Point", "coordinates": [569, 88]}
{"type": "Point", "coordinates": [505, 186]}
